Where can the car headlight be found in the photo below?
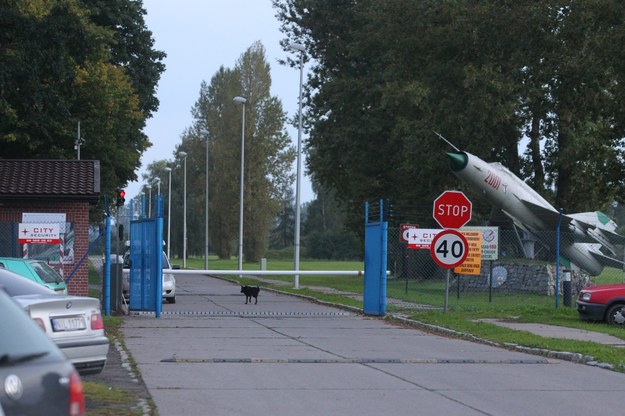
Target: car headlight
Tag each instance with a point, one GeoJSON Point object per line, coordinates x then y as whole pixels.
{"type": "Point", "coordinates": [168, 277]}
{"type": "Point", "coordinates": [585, 296]}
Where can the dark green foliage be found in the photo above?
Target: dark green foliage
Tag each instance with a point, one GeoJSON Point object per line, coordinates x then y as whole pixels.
{"type": "Point", "coordinates": [384, 76]}
{"type": "Point", "coordinates": [63, 62]}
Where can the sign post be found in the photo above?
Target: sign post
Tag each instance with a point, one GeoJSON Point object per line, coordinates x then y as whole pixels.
{"type": "Point", "coordinates": [449, 249]}
{"type": "Point", "coordinates": [452, 209]}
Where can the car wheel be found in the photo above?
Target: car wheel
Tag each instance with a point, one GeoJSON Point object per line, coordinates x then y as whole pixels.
{"type": "Point", "coordinates": [616, 314]}
{"type": "Point", "coordinates": [171, 300]}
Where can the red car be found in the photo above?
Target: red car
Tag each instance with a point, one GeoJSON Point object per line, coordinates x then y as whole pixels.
{"type": "Point", "coordinates": [603, 303]}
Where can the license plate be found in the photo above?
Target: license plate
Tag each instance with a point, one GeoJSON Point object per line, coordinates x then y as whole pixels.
{"type": "Point", "coordinates": [68, 324]}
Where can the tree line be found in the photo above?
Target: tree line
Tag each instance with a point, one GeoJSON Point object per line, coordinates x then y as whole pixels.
{"type": "Point", "coordinates": [65, 62]}
{"type": "Point", "coordinates": [537, 86]}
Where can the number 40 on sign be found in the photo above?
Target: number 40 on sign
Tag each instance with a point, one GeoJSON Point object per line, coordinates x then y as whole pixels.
{"type": "Point", "coordinates": [449, 249]}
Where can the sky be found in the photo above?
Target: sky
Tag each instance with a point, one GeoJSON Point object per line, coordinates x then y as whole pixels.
{"type": "Point", "coordinates": [200, 36]}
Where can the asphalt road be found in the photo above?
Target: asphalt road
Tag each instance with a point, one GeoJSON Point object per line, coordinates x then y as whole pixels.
{"type": "Point", "coordinates": [211, 354]}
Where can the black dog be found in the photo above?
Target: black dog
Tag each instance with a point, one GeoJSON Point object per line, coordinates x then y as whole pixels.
{"type": "Point", "coordinates": [250, 292]}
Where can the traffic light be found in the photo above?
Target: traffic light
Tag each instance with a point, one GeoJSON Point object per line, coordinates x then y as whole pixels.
{"type": "Point", "coordinates": [121, 197]}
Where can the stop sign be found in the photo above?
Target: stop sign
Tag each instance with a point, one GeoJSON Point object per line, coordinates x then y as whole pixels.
{"type": "Point", "coordinates": [452, 209]}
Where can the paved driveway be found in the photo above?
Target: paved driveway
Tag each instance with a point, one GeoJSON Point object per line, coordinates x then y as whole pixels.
{"type": "Point", "coordinates": [211, 354]}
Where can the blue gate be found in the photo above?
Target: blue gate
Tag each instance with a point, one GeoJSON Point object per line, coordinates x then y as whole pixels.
{"type": "Point", "coordinates": [146, 261]}
{"type": "Point", "coordinates": [375, 263]}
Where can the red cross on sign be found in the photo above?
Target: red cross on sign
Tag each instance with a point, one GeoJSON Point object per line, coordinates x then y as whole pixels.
{"type": "Point", "coordinates": [452, 209]}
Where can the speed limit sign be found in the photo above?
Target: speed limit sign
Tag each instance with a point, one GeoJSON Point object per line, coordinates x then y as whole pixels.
{"type": "Point", "coordinates": [449, 249]}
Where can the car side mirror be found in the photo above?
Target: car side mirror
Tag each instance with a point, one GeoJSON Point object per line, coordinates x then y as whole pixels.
{"type": "Point", "coordinates": [175, 267]}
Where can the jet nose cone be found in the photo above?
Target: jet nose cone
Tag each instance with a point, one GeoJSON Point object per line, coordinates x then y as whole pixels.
{"type": "Point", "coordinates": [457, 160]}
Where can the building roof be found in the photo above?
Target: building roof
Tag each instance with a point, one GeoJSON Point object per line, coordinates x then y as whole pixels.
{"type": "Point", "coordinates": [62, 179]}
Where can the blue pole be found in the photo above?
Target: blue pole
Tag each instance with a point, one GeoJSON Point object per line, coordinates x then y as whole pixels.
{"type": "Point", "coordinates": [107, 268]}
{"type": "Point", "coordinates": [558, 257]}
{"type": "Point", "coordinates": [158, 244]}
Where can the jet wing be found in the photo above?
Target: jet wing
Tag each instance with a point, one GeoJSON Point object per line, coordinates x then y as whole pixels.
{"type": "Point", "coordinates": [598, 230]}
{"type": "Point", "coordinates": [547, 216]}
{"type": "Point", "coordinates": [606, 260]}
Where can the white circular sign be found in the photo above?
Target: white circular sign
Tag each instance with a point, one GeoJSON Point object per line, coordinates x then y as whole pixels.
{"type": "Point", "coordinates": [449, 249]}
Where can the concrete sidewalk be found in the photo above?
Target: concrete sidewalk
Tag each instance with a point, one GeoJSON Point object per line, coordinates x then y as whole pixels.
{"type": "Point", "coordinates": [212, 354]}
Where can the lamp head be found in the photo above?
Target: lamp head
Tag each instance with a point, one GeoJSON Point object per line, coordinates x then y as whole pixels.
{"type": "Point", "coordinates": [297, 47]}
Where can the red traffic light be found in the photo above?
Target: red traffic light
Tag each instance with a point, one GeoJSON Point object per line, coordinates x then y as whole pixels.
{"type": "Point", "coordinates": [121, 197]}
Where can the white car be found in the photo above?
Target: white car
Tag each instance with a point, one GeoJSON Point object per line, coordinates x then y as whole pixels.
{"type": "Point", "coordinates": [169, 281]}
{"type": "Point", "coordinates": [74, 323]}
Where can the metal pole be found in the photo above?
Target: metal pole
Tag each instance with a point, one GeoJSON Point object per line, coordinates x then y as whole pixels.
{"type": "Point", "coordinates": [78, 143]}
{"type": "Point", "coordinates": [206, 212]}
{"type": "Point", "coordinates": [149, 200]}
{"type": "Point", "coordinates": [557, 291]}
{"type": "Point", "coordinates": [299, 175]}
{"type": "Point", "coordinates": [184, 237]}
{"type": "Point", "coordinates": [241, 192]}
{"type": "Point", "coordinates": [169, 215]}
{"type": "Point", "coordinates": [184, 204]}
{"type": "Point", "coordinates": [447, 278]}
{"type": "Point", "coordinates": [241, 100]}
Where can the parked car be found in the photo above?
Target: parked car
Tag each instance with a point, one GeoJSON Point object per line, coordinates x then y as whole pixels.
{"type": "Point", "coordinates": [36, 270]}
{"type": "Point", "coordinates": [36, 378]}
{"type": "Point", "coordinates": [74, 323]}
{"type": "Point", "coordinates": [169, 281]}
{"type": "Point", "coordinates": [603, 303]}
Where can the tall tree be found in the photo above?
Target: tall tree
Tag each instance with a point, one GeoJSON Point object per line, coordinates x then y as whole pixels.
{"type": "Point", "coordinates": [485, 74]}
{"type": "Point", "coordinates": [64, 62]}
{"type": "Point", "coordinates": [283, 233]}
{"type": "Point", "coordinates": [268, 154]}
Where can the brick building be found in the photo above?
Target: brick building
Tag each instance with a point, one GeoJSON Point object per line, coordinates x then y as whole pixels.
{"type": "Point", "coordinates": [34, 190]}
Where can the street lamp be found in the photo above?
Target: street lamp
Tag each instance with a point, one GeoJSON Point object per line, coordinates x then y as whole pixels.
{"type": "Point", "coordinates": [298, 181]}
{"type": "Point", "coordinates": [149, 188]}
{"type": "Point", "coordinates": [168, 170]}
{"type": "Point", "coordinates": [206, 213]}
{"type": "Point", "coordinates": [184, 203]}
{"type": "Point", "coordinates": [158, 185]}
{"type": "Point", "coordinates": [242, 101]}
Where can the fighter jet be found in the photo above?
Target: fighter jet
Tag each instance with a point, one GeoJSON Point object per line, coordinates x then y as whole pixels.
{"type": "Point", "coordinates": [594, 232]}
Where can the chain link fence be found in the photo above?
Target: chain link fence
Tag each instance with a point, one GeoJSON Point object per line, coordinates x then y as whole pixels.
{"type": "Point", "coordinates": [524, 265]}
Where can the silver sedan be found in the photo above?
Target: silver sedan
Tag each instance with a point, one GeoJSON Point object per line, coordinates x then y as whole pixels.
{"type": "Point", "coordinates": [74, 323]}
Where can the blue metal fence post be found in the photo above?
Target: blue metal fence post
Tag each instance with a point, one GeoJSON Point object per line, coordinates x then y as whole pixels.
{"type": "Point", "coordinates": [107, 268]}
{"type": "Point", "coordinates": [374, 293]}
{"type": "Point", "coordinates": [558, 257]}
{"type": "Point", "coordinates": [158, 250]}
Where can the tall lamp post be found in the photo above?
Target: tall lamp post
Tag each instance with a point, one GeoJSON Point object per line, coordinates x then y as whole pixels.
{"type": "Point", "coordinates": [168, 170]}
{"type": "Point", "coordinates": [158, 185]}
{"type": "Point", "coordinates": [184, 204]}
{"type": "Point", "coordinates": [149, 188]}
{"type": "Point", "coordinates": [242, 101]}
{"type": "Point", "coordinates": [206, 213]}
{"type": "Point", "coordinates": [298, 181]}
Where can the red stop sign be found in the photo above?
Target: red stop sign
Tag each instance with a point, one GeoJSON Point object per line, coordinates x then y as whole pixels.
{"type": "Point", "coordinates": [452, 209]}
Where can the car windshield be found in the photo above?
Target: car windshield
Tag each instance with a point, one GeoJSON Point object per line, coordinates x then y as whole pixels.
{"type": "Point", "coordinates": [165, 261]}
{"type": "Point", "coordinates": [16, 285]}
{"type": "Point", "coordinates": [46, 273]}
{"type": "Point", "coordinates": [27, 339]}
